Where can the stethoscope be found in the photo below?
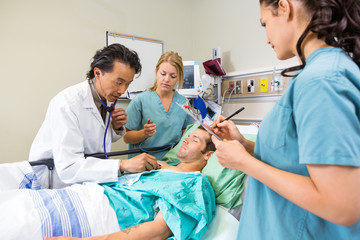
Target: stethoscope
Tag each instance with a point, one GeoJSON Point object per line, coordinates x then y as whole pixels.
{"type": "Point", "coordinates": [109, 110]}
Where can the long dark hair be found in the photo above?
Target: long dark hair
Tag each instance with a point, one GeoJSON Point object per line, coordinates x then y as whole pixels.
{"type": "Point", "coordinates": [104, 59]}
{"type": "Point", "coordinates": [338, 21]}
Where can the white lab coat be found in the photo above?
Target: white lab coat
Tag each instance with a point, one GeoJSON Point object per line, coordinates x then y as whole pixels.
{"type": "Point", "coordinates": [73, 127]}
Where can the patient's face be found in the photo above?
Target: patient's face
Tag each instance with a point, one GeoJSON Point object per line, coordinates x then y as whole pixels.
{"type": "Point", "coordinates": [193, 145]}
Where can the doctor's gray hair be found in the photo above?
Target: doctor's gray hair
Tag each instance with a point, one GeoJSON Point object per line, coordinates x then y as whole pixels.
{"type": "Point", "coordinates": [104, 59]}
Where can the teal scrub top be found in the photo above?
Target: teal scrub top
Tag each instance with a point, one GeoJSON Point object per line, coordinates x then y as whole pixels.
{"type": "Point", "coordinates": [316, 121]}
{"type": "Point", "coordinates": [169, 125]}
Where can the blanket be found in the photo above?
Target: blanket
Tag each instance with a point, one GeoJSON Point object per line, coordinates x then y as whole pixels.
{"type": "Point", "coordinates": [187, 201]}
{"type": "Point", "coordinates": [82, 210]}
{"type": "Point", "coordinates": [79, 211]}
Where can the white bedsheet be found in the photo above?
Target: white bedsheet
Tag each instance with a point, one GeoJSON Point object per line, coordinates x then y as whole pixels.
{"type": "Point", "coordinates": [21, 219]}
{"type": "Point", "coordinates": [17, 175]}
{"type": "Point", "coordinates": [223, 227]}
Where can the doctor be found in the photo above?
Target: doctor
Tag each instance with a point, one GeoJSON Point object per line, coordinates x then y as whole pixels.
{"type": "Point", "coordinates": [76, 121]}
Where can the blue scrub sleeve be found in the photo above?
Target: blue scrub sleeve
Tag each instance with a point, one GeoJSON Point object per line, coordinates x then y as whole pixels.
{"type": "Point", "coordinates": [327, 123]}
{"type": "Point", "coordinates": [134, 114]}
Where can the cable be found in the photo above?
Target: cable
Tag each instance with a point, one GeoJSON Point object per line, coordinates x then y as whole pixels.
{"type": "Point", "coordinates": [109, 109]}
{"type": "Point", "coordinates": [107, 126]}
{"type": "Point", "coordinates": [224, 95]}
{"type": "Point", "coordinates": [232, 91]}
{"type": "Point", "coordinates": [154, 151]}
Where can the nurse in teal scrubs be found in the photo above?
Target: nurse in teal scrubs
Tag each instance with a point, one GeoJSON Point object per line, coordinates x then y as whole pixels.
{"type": "Point", "coordinates": [304, 167]}
{"type": "Point", "coordinates": [154, 117]}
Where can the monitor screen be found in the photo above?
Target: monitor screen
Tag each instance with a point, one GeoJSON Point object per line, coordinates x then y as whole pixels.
{"type": "Point", "coordinates": [192, 84]}
{"type": "Point", "coordinates": [188, 77]}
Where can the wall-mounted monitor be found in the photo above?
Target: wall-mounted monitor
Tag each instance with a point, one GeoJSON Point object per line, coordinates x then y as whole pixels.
{"type": "Point", "coordinates": [192, 85]}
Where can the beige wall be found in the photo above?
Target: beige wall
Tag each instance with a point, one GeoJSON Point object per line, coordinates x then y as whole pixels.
{"type": "Point", "coordinates": [46, 45]}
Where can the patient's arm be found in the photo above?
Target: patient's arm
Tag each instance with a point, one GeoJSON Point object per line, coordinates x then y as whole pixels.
{"type": "Point", "coordinates": [156, 229]}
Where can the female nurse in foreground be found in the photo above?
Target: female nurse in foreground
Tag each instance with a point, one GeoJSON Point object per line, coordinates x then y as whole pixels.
{"type": "Point", "coordinates": [305, 165]}
{"type": "Point", "coordinates": [155, 119]}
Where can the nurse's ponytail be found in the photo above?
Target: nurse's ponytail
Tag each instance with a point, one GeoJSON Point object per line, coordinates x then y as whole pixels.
{"type": "Point", "coordinates": [175, 60]}
{"type": "Point", "coordinates": [338, 21]}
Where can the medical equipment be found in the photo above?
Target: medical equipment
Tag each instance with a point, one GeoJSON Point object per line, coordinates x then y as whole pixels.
{"type": "Point", "coordinates": [214, 67]}
{"type": "Point", "coordinates": [189, 111]}
{"type": "Point", "coordinates": [108, 109]}
{"type": "Point", "coordinates": [238, 111]}
{"type": "Point", "coordinates": [192, 85]}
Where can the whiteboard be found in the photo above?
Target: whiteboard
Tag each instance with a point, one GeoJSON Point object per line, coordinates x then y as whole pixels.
{"type": "Point", "coordinates": [149, 51]}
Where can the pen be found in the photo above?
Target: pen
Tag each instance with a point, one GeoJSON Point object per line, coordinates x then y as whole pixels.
{"type": "Point", "coordinates": [231, 115]}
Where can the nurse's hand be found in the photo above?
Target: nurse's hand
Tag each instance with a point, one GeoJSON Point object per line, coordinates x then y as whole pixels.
{"type": "Point", "coordinates": [149, 128]}
{"type": "Point", "coordinates": [118, 116]}
{"type": "Point", "coordinates": [140, 163]}
{"type": "Point", "coordinates": [226, 129]}
{"type": "Point", "coordinates": [231, 154]}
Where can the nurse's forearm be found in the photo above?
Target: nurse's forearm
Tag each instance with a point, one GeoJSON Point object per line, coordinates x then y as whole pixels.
{"type": "Point", "coordinates": [134, 137]}
{"type": "Point", "coordinates": [330, 193]}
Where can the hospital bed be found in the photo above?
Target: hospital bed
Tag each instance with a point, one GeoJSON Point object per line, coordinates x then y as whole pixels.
{"type": "Point", "coordinates": [223, 226]}
{"type": "Point", "coordinates": [92, 205]}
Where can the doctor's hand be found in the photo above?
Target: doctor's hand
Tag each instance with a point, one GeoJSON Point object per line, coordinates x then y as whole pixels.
{"type": "Point", "coordinates": [231, 154]}
{"type": "Point", "coordinates": [118, 116]}
{"type": "Point", "coordinates": [226, 129]}
{"type": "Point", "coordinates": [140, 163]}
{"type": "Point", "coordinates": [149, 128]}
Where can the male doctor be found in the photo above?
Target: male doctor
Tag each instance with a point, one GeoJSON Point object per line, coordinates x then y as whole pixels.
{"type": "Point", "coordinates": [76, 121]}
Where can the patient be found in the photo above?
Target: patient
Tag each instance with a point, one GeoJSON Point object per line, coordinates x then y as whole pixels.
{"type": "Point", "coordinates": [161, 203]}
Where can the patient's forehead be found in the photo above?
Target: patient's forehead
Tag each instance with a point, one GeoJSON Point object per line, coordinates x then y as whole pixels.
{"type": "Point", "coordinates": [201, 134]}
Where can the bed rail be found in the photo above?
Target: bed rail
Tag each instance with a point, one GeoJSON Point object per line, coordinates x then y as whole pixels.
{"type": "Point", "coordinates": [49, 163]}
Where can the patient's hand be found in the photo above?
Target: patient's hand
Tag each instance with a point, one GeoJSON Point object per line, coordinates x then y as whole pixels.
{"type": "Point", "coordinates": [156, 229]}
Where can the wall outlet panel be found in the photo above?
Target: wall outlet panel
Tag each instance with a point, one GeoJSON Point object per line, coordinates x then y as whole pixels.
{"type": "Point", "coordinates": [231, 86]}
{"type": "Point", "coordinates": [263, 85]}
{"type": "Point", "coordinates": [238, 87]}
{"type": "Point", "coordinates": [250, 85]}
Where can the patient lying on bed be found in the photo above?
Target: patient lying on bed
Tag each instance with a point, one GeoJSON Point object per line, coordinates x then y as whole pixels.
{"type": "Point", "coordinates": [149, 205]}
